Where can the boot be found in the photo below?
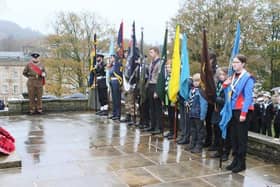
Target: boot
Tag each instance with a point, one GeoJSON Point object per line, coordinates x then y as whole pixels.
{"type": "Point", "coordinates": [233, 163]}
{"type": "Point", "coordinates": [241, 165]}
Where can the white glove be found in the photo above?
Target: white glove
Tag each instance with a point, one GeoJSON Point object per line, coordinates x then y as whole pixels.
{"type": "Point", "coordinates": [43, 74]}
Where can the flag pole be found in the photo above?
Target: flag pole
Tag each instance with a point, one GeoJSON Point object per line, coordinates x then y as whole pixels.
{"type": "Point", "coordinates": [94, 63]}
{"type": "Point", "coordinates": [175, 122]}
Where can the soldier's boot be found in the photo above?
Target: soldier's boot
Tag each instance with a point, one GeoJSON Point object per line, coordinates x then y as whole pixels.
{"type": "Point", "coordinates": [233, 163]}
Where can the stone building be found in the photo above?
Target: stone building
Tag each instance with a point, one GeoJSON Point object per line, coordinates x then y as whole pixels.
{"type": "Point", "coordinates": [12, 82]}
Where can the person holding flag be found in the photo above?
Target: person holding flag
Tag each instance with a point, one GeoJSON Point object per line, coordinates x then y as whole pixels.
{"type": "Point", "coordinates": [185, 85]}
{"type": "Point", "coordinates": [100, 72]}
{"type": "Point", "coordinates": [115, 75]}
{"type": "Point", "coordinates": [36, 73]}
{"type": "Point", "coordinates": [241, 85]}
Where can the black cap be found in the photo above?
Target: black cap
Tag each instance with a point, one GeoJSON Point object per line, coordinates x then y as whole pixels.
{"type": "Point", "coordinates": [35, 55]}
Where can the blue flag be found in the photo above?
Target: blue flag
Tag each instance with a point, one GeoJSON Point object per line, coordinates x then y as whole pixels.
{"type": "Point", "coordinates": [132, 57]}
{"type": "Point", "coordinates": [112, 49]}
{"type": "Point", "coordinates": [226, 112]}
{"type": "Point", "coordinates": [185, 72]}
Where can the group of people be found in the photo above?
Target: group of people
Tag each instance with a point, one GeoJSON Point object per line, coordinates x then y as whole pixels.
{"type": "Point", "coordinates": [266, 115]}
{"type": "Point", "coordinates": [197, 119]}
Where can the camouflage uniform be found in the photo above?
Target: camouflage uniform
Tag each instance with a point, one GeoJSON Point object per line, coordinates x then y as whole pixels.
{"type": "Point", "coordinates": [35, 86]}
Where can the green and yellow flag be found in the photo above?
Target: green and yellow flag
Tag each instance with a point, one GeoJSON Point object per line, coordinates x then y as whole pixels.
{"type": "Point", "coordinates": [174, 82]}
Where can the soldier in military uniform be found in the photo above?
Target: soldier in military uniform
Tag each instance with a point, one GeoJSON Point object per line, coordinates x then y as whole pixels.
{"type": "Point", "coordinates": [35, 72]}
{"type": "Point", "coordinates": [116, 83]}
{"type": "Point", "coordinates": [130, 94]}
{"type": "Point", "coordinates": [101, 84]}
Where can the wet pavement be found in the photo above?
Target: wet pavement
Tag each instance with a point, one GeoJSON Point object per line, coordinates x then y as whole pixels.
{"type": "Point", "coordinates": [81, 149]}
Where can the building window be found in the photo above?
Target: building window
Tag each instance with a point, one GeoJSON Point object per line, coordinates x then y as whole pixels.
{"type": "Point", "coordinates": [15, 74]}
{"type": "Point", "coordinates": [15, 90]}
{"type": "Point", "coordinates": [5, 89]}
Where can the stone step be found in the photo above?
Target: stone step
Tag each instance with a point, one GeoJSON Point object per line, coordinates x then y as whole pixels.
{"type": "Point", "coordinates": [10, 161]}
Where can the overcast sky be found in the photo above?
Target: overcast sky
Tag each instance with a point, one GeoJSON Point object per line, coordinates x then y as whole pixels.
{"type": "Point", "coordinates": [151, 14]}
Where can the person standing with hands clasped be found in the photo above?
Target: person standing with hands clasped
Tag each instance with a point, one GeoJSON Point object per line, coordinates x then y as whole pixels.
{"type": "Point", "coordinates": [36, 73]}
{"type": "Point", "coordinates": [242, 85]}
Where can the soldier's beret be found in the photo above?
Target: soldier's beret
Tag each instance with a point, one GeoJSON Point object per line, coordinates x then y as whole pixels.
{"type": "Point", "coordinates": [35, 55]}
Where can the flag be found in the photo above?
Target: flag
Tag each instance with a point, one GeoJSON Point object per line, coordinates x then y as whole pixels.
{"type": "Point", "coordinates": [92, 63]}
{"type": "Point", "coordinates": [111, 48]}
{"type": "Point", "coordinates": [132, 56]}
{"type": "Point", "coordinates": [120, 42]}
{"type": "Point", "coordinates": [174, 82]}
{"type": "Point", "coordinates": [226, 112]}
{"type": "Point", "coordinates": [160, 86]}
{"type": "Point", "coordinates": [185, 72]}
{"type": "Point", "coordinates": [142, 80]}
{"type": "Point", "coordinates": [206, 73]}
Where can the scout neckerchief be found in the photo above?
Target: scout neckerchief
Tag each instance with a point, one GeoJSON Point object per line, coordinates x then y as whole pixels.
{"type": "Point", "coordinates": [152, 67]}
{"type": "Point", "coordinates": [236, 80]}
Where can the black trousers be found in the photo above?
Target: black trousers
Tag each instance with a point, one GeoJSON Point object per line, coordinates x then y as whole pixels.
{"type": "Point", "coordinates": [144, 113]}
{"type": "Point", "coordinates": [197, 133]}
{"type": "Point", "coordinates": [171, 118]}
{"type": "Point", "coordinates": [184, 120]}
{"type": "Point", "coordinates": [239, 133]}
{"type": "Point", "coordinates": [102, 92]}
{"type": "Point", "coordinates": [155, 108]}
{"type": "Point", "coordinates": [116, 97]}
{"type": "Point", "coordinates": [276, 128]}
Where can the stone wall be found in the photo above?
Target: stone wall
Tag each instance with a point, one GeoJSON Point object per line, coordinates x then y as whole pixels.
{"type": "Point", "coordinates": [264, 147]}
{"type": "Point", "coordinates": [49, 105]}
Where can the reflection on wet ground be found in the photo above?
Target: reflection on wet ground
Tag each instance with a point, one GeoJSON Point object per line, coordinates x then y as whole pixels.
{"type": "Point", "coordinates": [81, 149]}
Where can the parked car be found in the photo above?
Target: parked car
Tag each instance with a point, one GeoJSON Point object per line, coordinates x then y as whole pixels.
{"type": "Point", "coordinates": [76, 96]}
{"type": "Point", "coordinates": [2, 105]}
{"type": "Point", "coordinates": [49, 97]}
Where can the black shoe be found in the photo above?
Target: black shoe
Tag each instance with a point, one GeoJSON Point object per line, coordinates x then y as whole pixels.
{"type": "Point", "coordinates": [155, 132]}
{"type": "Point", "coordinates": [170, 137]}
{"type": "Point", "coordinates": [241, 166]}
{"type": "Point", "coordinates": [183, 141]}
{"type": "Point", "coordinates": [104, 113]}
{"type": "Point", "coordinates": [130, 123]}
{"type": "Point", "coordinates": [98, 112]}
{"type": "Point", "coordinates": [116, 118]}
{"type": "Point", "coordinates": [233, 164]}
{"type": "Point", "coordinates": [149, 129]}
